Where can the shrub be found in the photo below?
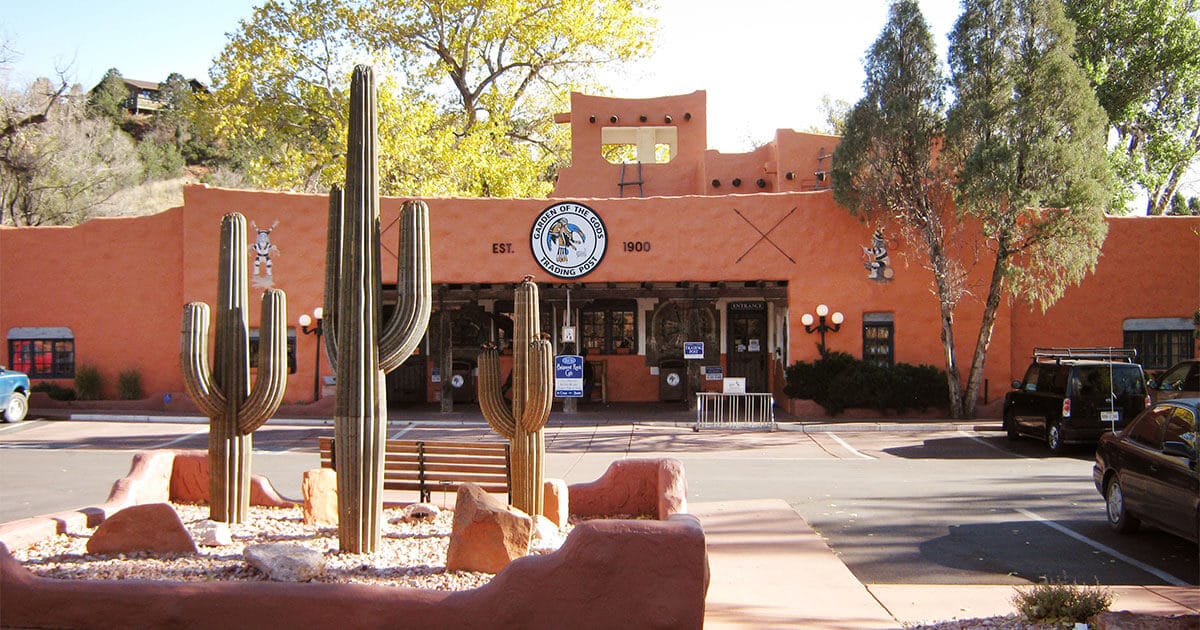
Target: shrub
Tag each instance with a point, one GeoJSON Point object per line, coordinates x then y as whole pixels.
{"type": "Point", "coordinates": [129, 385]}
{"type": "Point", "coordinates": [838, 381]}
{"type": "Point", "coordinates": [89, 385]}
{"type": "Point", "coordinates": [1059, 602]}
{"type": "Point", "coordinates": [54, 390]}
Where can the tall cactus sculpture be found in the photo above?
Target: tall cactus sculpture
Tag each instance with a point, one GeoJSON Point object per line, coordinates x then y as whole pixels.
{"type": "Point", "coordinates": [361, 350]}
{"type": "Point", "coordinates": [234, 408]}
{"type": "Point", "coordinates": [532, 394]}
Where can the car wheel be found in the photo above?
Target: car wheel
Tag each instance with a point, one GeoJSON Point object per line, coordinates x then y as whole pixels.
{"type": "Point", "coordinates": [1120, 520]}
{"type": "Point", "coordinates": [1054, 438]}
{"type": "Point", "coordinates": [18, 406]}
{"type": "Point", "coordinates": [1010, 427]}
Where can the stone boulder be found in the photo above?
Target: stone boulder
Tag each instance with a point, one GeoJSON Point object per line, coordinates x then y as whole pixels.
{"type": "Point", "coordinates": [486, 534]}
{"type": "Point", "coordinates": [319, 486]}
{"type": "Point", "coordinates": [418, 513]}
{"type": "Point", "coordinates": [153, 527]}
{"type": "Point", "coordinates": [547, 537]}
{"type": "Point", "coordinates": [285, 563]}
{"type": "Point", "coordinates": [213, 534]}
{"type": "Point", "coordinates": [556, 502]}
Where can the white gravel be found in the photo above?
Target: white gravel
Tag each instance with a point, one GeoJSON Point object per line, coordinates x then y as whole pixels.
{"type": "Point", "coordinates": [411, 554]}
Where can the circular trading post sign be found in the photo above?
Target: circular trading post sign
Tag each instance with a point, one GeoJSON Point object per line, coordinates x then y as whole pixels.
{"type": "Point", "coordinates": [568, 240]}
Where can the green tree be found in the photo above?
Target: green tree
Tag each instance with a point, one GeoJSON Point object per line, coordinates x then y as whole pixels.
{"type": "Point", "coordinates": [109, 96]}
{"type": "Point", "coordinates": [884, 166]}
{"type": "Point", "coordinates": [1027, 138]}
{"type": "Point", "coordinates": [1143, 58]}
{"type": "Point", "coordinates": [466, 90]}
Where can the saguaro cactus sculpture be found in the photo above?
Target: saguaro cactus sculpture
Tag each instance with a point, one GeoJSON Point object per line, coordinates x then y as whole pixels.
{"type": "Point", "coordinates": [532, 394]}
{"type": "Point", "coordinates": [234, 408]}
{"type": "Point", "coordinates": [362, 351]}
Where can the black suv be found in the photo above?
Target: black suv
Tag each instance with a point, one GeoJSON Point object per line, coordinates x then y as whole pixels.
{"type": "Point", "coordinates": [1075, 395]}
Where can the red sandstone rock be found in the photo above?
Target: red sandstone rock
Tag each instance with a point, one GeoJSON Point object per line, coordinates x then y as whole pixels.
{"type": "Point", "coordinates": [151, 527]}
{"type": "Point", "coordinates": [1125, 620]}
{"type": "Point", "coordinates": [636, 487]}
{"type": "Point", "coordinates": [189, 482]}
{"type": "Point", "coordinates": [556, 502]}
{"type": "Point", "coordinates": [486, 534]}
{"type": "Point", "coordinates": [319, 486]}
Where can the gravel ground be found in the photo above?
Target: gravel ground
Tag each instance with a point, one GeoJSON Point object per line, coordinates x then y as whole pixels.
{"type": "Point", "coordinates": [411, 555]}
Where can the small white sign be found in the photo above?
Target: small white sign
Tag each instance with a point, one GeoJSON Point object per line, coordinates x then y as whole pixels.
{"type": "Point", "coordinates": [436, 375]}
{"type": "Point", "coordinates": [568, 334]}
{"type": "Point", "coordinates": [734, 385]}
{"type": "Point", "coordinates": [754, 346]}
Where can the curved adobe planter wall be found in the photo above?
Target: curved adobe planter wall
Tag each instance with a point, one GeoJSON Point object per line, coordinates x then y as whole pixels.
{"type": "Point", "coordinates": [609, 573]}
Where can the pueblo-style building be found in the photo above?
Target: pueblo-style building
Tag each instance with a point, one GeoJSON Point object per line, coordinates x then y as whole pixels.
{"type": "Point", "coordinates": [649, 242]}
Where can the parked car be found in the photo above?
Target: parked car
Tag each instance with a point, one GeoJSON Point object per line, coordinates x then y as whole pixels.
{"type": "Point", "coordinates": [1182, 380]}
{"type": "Point", "coordinates": [1075, 395]}
{"type": "Point", "coordinates": [14, 395]}
{"type": "Point", "coordinates": [1147, 472]}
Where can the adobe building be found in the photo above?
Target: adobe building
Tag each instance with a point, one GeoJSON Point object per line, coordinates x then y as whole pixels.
{"type": "Point", "coordinates": [678, 244]}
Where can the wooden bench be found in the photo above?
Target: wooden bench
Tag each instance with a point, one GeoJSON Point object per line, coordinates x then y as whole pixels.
{"type": "Point", "coordinates": [424, 466]}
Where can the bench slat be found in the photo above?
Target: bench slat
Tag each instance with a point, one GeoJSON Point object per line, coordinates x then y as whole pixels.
{"type": "Point", "coordinates": [447, 465]}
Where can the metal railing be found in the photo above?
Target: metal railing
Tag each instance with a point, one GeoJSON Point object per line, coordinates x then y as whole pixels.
{"type": "Point", "coordinates": [715, 410]}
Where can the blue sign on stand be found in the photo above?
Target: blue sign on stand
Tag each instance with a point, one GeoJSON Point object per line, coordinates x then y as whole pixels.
{"type": "Point", "coordinates": [568, 376]}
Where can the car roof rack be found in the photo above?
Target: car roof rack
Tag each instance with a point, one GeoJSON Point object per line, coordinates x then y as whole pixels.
{"type": "Point", "coordinates": [1098, 353]}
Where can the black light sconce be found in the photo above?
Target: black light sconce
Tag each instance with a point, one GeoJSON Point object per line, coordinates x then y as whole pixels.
{"type": "Point", "coordinates": [820, 326]}
{"type": "Point", "coordinates": [737, 181]}
{"type": "Point", "coordinates": [716, 183]}
{"type": "Point", "coordinates": [762, 183]}
{"type": "Point", "coordinates": [613, 118]}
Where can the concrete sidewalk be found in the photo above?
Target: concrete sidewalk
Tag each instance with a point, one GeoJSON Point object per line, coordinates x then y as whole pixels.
{"type": "Point", "coordinates": [771, 570]}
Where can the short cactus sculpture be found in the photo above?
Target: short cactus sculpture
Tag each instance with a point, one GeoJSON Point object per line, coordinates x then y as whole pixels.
{"type": "Point", "coordinates": [532, 395]}
{"type": "Point", "coordinates": [234, 408]}
{"type": "Point", "coordinates": [362, 350]}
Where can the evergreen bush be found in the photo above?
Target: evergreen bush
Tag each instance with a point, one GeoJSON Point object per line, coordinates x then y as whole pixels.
{"type": "Point", "coordinates": [89, 384]}
{"type": "Point", "coordinates": [129, 385]}
{"type": "Point", "coordinates": [1061, 603]}
{"type": "Point", "coordinates": [838, 381]}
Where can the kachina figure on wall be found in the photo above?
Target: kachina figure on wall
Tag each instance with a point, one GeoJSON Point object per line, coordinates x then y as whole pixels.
{"type": "Point", "coordinates": [262, 246]}
{"type": "Point", "coordinates": [875, 258]}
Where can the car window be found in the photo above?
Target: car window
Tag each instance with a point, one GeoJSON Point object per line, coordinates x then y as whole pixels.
{"type": "Point", "coordinates": [1128, 381]}
{"type": "Point", "coordinates": [1045, 378]}
{"type": "Point", "coordinates": [1181, 427]}
{"type": "Point", "coordinates": [1192, 382]}
{"type": "Point", "coordinates": [1061, 373]}
{"type": "Point", "coordinates": [1173, 378]}
{"type": "Point", "coordinates": [1031, 379]}
{"type": "Point", "coordinates": [1096, 381]}
{"type": "Point", "coordinates": [1147, 430]}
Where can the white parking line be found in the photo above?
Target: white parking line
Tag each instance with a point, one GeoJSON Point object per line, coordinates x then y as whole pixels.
{"type": "Point", "coordinates": [852, 450]}
{"type": "Point", "coordinates": [1166, 577]}
{"type": "Point", "coordinates": [990, 445]}
{"type": "Point", "coordinates": [179, 439]}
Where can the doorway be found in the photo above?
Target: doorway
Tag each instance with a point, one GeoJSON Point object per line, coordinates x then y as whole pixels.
{"type": "Point", "coordinates": [746, 333]}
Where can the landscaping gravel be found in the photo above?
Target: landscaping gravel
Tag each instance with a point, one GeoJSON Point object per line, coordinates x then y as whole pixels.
{"type": "Point", "coordinates": [411, 554]}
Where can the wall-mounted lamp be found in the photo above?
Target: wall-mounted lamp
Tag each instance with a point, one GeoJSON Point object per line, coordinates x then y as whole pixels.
{"type": "Point", "coordinates": [315, 323]}
{"type": "Point", "coordinates": [821, 326]}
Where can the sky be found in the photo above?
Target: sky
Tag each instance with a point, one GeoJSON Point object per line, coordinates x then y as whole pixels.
{"type": "Point", "coordinates": [765, 64]}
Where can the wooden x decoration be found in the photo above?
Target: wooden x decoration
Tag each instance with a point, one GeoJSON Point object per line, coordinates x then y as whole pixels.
{"type": "Point", "coordinates": [765, 236]}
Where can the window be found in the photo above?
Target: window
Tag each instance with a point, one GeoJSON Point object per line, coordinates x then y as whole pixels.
{"type": "Point", "coordinates": [1148, 430]}
{"type": "Point", "coordinates": [648, 145]}
{"type": "Point", "coordinates": [1181, 427]}
{"type": "Point", "coordinates": [608, 327]}
{"type": "Point", "coordinates": [291, 349]}
{"type": "Point", "coordinates": [878, 334]}
{"type": "Point", "coordinates": [42, 352]}
{"type": "Point", "coordinates": [1161, 341]}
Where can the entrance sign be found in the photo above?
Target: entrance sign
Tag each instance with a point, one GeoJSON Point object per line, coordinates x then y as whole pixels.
{"type": "Point", "coordinates": [568, 240]}
{"type": "Point", "coordinates": [693, 349]}
{"type": "Point", "coordinates": [734, 385]}
{"type": "Point", "coordinates": [568, 376]}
